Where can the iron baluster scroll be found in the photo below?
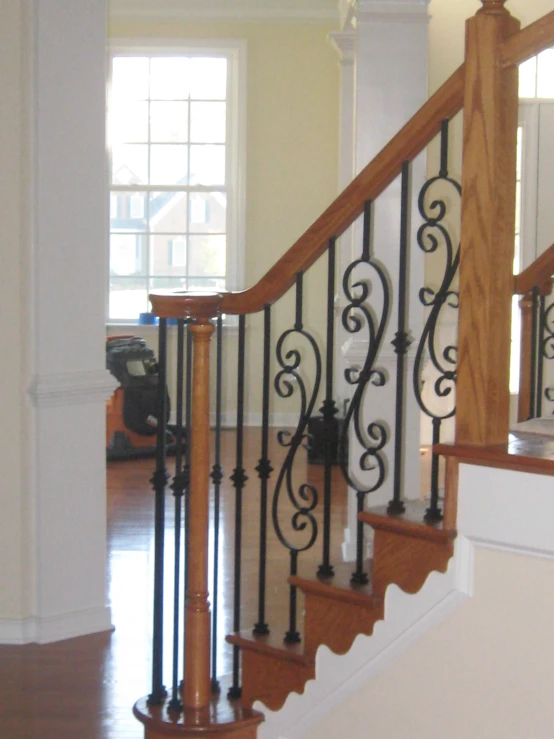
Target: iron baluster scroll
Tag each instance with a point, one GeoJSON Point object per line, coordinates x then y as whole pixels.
{"type": "Point", "coordinates": [305, 500]}
{"type": "Point", "coordinates": [547, 345]}
{"type": "Point", "coordinates": [432, 356]}
{"type": "Point", "coordinates": [358, 315]}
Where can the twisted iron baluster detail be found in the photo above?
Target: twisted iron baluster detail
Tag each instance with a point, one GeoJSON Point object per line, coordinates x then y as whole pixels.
{"type": "Point", "coordinates": [547, 345]}
{"type": "Point", "coordinates": [305, 499]}
{"type": "Point", "coordinates": [432, 235]}
{"type": "Point", "coordinates": [355, 316]}
{"type": "Point", "coordinates": [358, 316]}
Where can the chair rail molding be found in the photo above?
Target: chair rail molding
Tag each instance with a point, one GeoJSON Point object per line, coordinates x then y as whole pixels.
{"type": "Point", "coordinates": [71, 388]}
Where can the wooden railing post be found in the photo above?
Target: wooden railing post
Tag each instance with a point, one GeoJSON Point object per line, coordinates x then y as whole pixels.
{"type": "Point", "coordinates": [196, 693]}
{"type": "Point", "coordinates": [488, 226]}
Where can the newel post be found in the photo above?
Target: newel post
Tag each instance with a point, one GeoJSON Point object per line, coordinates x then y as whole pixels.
{"type": "Point", "coordinates": [199, 309]}
{"type": "Point", "coordinates": [488, 226]}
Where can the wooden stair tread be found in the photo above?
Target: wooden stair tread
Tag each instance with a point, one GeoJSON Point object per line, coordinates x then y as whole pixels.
{"type": "Point", "coordinates": [338, 587]}
{"type": "Point", "coordinates": [272, 645]}
{"type": "Point", "coordinates": [410, 523]}
{"type": "Point", "coordinates": [524, 452]}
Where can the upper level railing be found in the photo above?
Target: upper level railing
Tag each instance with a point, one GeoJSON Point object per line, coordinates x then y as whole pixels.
{"type": "Point", "coordinates": [536, 383]}
{"type": "Point", "coordinates": [375, 287]}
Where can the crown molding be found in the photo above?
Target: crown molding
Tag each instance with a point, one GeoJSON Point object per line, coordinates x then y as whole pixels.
{"type": "Point", "coordinates": [345, 43]}
{"type": "Point", "coordinates": [391, 11]}
{"type": "Point", "coordinates": [289, 11]}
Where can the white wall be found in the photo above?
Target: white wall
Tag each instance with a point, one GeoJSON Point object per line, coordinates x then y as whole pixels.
{"type": "Point", "coordinates": [485, 672]}
{"type": "Point", "coordinates": [12, 191]}
{"type": "Point", "coordinates": [52, 459]}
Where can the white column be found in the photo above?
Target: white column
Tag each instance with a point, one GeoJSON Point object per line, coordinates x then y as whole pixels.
{"type": "Point", "coordinates": [345, 43]}
{"type": "Point", "coordinates": [390, 84]}
{"type": "Point", "coordinates": [63, 288]}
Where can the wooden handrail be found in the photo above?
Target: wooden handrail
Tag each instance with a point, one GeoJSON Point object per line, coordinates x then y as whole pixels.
{"type": "Point", "coordinates": [370, 183]}
{"type": "Point", "coordinates": [528, 42]}
{"type": "Point", "coordinates": [538, 274]}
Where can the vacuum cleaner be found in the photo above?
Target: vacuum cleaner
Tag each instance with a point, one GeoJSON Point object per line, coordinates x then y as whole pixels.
{"type": "Point", "coordinates": [131, 412]}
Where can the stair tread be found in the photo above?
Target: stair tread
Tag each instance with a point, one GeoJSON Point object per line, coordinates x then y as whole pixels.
{"type": "Point", "coordinates": [409, 523]}
{"type": "Point", "coordinates": [339, 586]}
{"type": "Point", "coordinates": [271, 644]}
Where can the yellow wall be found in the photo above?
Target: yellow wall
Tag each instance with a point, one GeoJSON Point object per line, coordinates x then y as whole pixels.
{"type": "Point", "coordinates": [292, 156]}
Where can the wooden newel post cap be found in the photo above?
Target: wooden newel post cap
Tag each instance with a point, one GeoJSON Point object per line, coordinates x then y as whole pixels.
{"type": "Point", "coordinates": [188, 304]}
{"type": "Point", "coordinates": [493, 7]}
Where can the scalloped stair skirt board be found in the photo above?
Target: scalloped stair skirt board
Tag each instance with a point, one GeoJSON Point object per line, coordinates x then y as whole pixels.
{"type": "Point", "coordinates": [368, 626]}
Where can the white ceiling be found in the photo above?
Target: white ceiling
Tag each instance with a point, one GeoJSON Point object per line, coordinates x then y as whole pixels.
{"type": "Point", "coordinates": [226, 10]}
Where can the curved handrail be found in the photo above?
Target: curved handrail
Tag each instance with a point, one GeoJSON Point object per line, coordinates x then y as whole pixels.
{"type": "Point", "coordinates": [528, 42]}
{"type": "Point", "coordinates": [538, 274]}
{"type": "Point", "coordinates": [369, 184]}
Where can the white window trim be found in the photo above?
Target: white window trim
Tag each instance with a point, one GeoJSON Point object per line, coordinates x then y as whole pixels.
{"type": "Point", "coordinates": [235, 50]}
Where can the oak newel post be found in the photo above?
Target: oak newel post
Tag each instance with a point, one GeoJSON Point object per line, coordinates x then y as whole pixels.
{"type": "Point", "coordinates": [488, 226]}
{"type": "Point", "coordinates": [201, 711]}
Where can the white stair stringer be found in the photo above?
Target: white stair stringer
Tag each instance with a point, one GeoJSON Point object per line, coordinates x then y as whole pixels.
{"type": "Point", "coordinates": [407, 619]}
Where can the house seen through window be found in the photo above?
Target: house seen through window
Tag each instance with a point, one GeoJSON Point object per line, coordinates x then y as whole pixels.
{"type": "Point", "coordinates": [172, 139]}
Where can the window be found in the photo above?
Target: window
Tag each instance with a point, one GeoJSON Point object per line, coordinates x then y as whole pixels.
{"type": "Point", "coordinates": [534, 222]}
{"type": "Point", "coordinates": [176, 146]}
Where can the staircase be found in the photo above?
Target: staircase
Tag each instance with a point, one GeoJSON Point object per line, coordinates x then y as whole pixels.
{"type": "Point", "coordinates": [410, 540]}
{"type": "Point", "coordinates": [406, 551]}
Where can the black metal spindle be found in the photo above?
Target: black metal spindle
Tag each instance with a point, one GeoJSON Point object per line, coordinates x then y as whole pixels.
{"type": "Point", "coordinates": [239, 479]}
{"type": "Point", "coordinates": [540, 355]}
{"type": "Point", "coordinates": [217, 477]}
{"type": "Point", "coordinates": [401, 344]}
{"type": "Point", "coordinates": [293, 635]}
{"type": "Point", "coordinates": [434, 513]}
{"type": "Point", "coordinates": [159, 482]}
{"type": "Point", "coordinates": [178, 487]}
{"type": "Point", "coordinates": [264, 470]}
{"type": "Point", "coordinates": [534, 354]}
{"type": "Point", "coordinates": [359, 576]}
{"type": "Point", "coordinates": [329, 411]}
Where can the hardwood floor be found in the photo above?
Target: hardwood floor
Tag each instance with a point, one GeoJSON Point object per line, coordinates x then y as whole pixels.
{"type": "Point", "coordinates": [84, 688]}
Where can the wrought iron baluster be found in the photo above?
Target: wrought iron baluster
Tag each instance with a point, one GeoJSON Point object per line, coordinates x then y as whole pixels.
{"type": "Point", "coordinates": [178, 487]}
{"type": "Point", "coordinates": [547, 347]}
{"type": "Point", "coordinates": [328, 412]}
{"type": "Point", "coordinates": [264, 470]}
{"type": "Point", "coordinates": [372, 438]}
{"type": "Point", "coordinates": [159, 482]}
{"type": "Point", "coordinates": [432, 235]}
{"type": "Point", "coordinates": [239, 479]}
{"type": "Point", "coordinates": [217, 478]}
{"type": "Point", "coordinates": [287, 381]}
{"type": "Point", "coordinates": [401, 345]}
{"type": "Point", "coordinates": [540, 362]}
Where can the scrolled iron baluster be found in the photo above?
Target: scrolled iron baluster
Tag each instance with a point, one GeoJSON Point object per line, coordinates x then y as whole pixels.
{"type": "Point", "coordinates": [432, 235]}
{"type": "Point", "coordinates": [305, 499]}
{"type": "Point", "coordinates": [373, 437]}
{"type": "Point", "coordinates": [547, 345]}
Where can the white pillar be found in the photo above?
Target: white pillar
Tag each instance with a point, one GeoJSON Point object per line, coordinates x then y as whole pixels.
{"type": "Point", "coordinates": [62, 324]}
{"type": "Point", "coordinates": [390, 84]}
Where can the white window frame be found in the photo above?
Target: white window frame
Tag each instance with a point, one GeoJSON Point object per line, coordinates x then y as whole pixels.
{"type": "Point", "coordinates": [235, 162]}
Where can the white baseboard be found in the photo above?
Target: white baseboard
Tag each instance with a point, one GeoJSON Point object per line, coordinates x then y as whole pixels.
{"type": "Point", "coordinates": [407, 619]}
{"type": "Point", "coordinates": [55, 628]}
